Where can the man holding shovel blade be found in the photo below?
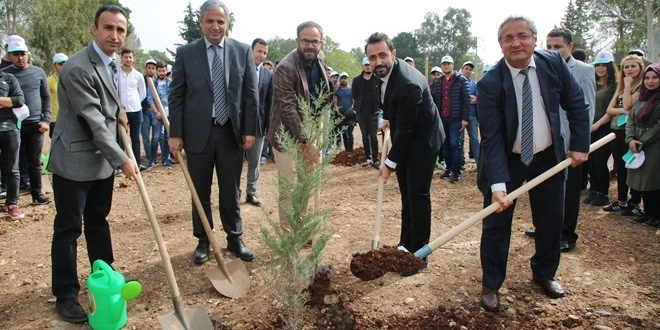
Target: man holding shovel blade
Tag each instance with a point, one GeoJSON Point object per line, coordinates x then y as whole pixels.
{"type": "Point", "coordinates": [519, 103]}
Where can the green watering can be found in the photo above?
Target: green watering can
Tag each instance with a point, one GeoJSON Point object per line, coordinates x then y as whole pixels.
{"type": "Point", "coordinates": [108, 293]}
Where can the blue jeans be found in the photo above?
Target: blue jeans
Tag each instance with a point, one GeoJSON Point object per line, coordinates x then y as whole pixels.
{"type": "Point", "coordinates": [164, 144]}
{"type": "Point", "coordinates": [451, 147]}
{"type": "Point", "coordinates": [151, 123]}
{"type": "Point", "coordinates": [9, 145]}
{"type": "Point", "coordinates": [473, 134]}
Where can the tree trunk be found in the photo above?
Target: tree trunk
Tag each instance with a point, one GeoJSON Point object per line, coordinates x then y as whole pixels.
{"type": "Point", "coordinates": [652, 32]}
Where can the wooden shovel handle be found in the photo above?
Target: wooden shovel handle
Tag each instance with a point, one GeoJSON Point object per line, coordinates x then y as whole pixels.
{"type": "Point", "coordinates": [436, 243]}
{"type": "Point", "coordinates": [381, 188]}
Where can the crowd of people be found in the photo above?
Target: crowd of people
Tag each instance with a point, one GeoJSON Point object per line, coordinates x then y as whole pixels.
{"type": "Point", "coordinates": [227, 103]}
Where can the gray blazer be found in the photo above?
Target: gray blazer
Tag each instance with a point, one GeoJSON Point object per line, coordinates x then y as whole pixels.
{"type": "Point", "coordinates": [84, 145]}
{"type": "Point", "coordinates": [191, 93]}
{"type": "Point", "coordinates": [586, 77]}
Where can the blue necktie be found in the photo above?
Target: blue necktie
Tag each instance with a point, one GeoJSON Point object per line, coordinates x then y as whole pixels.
{"type": "Point", "coordinates": [113, 68]}
{"type": "Point", "coordinates": [220, 111]}
{"type": "Point", "coordinates": [527, 126]}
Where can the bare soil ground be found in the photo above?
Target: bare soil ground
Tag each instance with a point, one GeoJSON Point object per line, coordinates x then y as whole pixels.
{"type": "Point", "coordinates": [612, 278]}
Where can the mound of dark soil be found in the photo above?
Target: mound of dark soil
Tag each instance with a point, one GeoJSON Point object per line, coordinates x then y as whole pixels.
{"type": "Point", "coordinates": [375, 263]}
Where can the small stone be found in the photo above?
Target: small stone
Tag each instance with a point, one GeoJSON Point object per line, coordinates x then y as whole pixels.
{"type": "Point", "coordinates": [601, 327]}
{"type": "Point", "coordinates": [604, 313]}
{"type": "Point", "coordinates": [409, 301]}
{"type": "Point", "coordinates": [452, 324]}
{"type": "Point", "coordinates": [40, 266]}
{"type": "Point", "coordinates": [527, 299]}
{"type": "Point", "coordinates": [504, 291]}
{"type": "Point", "coordinates": [52, 300]}
{"type": "Point", "coordinates": [336, 236]}
{"type": "Point", "coordinates": [330, 299]}
{"type": "Point", "coordinates": [631, 259]}
{"type": "Point", "coordinates": [511, 311]}
{"type": "Point", "coordinates": [510, 299]}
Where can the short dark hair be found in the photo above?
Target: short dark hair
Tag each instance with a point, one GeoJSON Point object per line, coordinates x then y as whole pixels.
{"type": "Point", "coordinates": [111, 8]}
{"type": "Point", "coordinates": [378, 37]}
{"type": "Point", "coordinates": [259, 41]}
{"type": "Point", "coordinates": [126, 51]}
{"type": "Point", "coordinates": [562, 32]}
{"type": "Point", "coordinates": [161, 64]}
{"type": "Point", "coordinates": [307, 24]}
{"type": "Point", "coordinates": [579, 54]}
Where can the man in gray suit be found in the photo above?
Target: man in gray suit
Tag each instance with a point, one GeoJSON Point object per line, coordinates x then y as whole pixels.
{"type": "Point", "coordinates": [265, 77]}
{"type": "Point", "coordinates": [83, 156]}
{"type": "Point", "coordinates": [213, 110]}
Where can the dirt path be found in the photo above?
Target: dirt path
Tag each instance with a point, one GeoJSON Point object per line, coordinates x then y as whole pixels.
{"type": "Point", "coordinates": [612, 278]}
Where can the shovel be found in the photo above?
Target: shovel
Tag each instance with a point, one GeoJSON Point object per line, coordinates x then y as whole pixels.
{"type": "Point", "coordinates": [381, 186]}
{"type": "Point", "coordinates": [231, 279]}
{"type": "Point", "coordinates": [436, 243]}
{"type": "Point", "coordinates": [197, 318]}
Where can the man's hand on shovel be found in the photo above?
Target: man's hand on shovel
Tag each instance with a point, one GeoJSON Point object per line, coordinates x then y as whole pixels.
{"type": "Point", "coordinates": [130, 169]}
{"type": "Point", "coordinates": [384, 172]}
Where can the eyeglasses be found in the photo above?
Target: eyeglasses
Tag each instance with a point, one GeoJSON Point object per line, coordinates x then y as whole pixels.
{"type": "Point", "coordinates": [522, 37]}
{"type": "Point", "coordinates": [307, 42]}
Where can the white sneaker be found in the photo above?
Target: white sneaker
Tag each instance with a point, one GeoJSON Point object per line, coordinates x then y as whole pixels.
{"type": "Point", "coordinates": [367, 163]}
{"type": "Point", "coordinates": [442, 165]}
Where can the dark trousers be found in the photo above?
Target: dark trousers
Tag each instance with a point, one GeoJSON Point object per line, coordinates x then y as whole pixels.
{"type": "Point", "coordinates": [9, 145]}
{"type": "Point", "coordinates": [223, 153]}
{"type": "Point", "coordinates": [32, 142]}
{"type": "Point", "coordinates": [135, 125]}
{"type": "Point", "coordinates": [75, 201]}
{"type": "Point", "coordinates": [369, 129]}
{"type": "Point", "coordinates": [619, 148]}
{"type": "Point", "coordinates": [347, 129]}
{"type": "Point", "coordinates": [651, 203]}
{"type": "Point", "coordinates": [451, 146]}
{"type": "Point", "coordinates": [547, 203]}
{"type": "Point", "coordinates": [599, 173]}
{"type": "Point", "coordinates": [572, 204]}
{"type": "Point", "coordinates": [415, 184]}
{"type": "Point", "coordinates": [51, 129]}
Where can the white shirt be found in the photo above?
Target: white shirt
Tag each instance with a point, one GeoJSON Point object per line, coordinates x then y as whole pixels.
{"type": "Point", "coordinates": [131, 90]}
{"type": "Point", "coordinates": [383, 88]}
{"type": "Point", "coordinates": [542, 132]}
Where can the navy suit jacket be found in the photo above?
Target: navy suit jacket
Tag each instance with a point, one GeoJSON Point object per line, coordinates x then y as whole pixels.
{"type": "Point", "coordinates": [498, 114]}
{"type": "Point", "coordinates": [415, 125]}
{"type": "Point", "coordinates": [191, 93]}
{"type": "Point", "coordinates": [265, 99]}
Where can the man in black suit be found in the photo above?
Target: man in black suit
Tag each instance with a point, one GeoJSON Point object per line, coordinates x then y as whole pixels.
{"type": "Point", "coordinates": [529, 88]}
{"type": "Point", "coordinates": [265, 78]}
{"type": "Point", "coordinates": [417, 134]}
{"type": "Point", "coordinates": [213, 109]}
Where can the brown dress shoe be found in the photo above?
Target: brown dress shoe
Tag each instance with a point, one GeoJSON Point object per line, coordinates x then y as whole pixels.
{"type": "Point", "coordinates": [552, 288]}
{"type": "Point", "coordinates": [70, 310]}
{"type": "Point", "coordinates": [490, 300]}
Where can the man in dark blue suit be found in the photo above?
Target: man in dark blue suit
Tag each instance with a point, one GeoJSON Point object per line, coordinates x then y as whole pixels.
{"type": "Point", "coordinates": [519, 103]}
{"type": "Point", "coordinates": [213, 110]}
{"type": "Point", "coordinates": [417, 133]}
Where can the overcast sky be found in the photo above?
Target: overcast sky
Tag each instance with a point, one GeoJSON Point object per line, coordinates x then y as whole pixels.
{"type": "Point", "coordinates": [346, 22]}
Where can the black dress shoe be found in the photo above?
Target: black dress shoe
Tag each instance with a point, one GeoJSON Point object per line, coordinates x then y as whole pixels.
{"type": "Point", "coordinates": [237, 247]}
{"type": "Point", "coordinates": [70, 310]}
{"type": "Point", "coordinates": [552, 288]}
{"type": "Point", "coordinates": [490, 300]}
{"type": "Point", "coordinates": [566, 246]}
{"type": "Point", "coordinates": [252, 199]}
{"type": "Point", "coordinates": [530, 232]}
{"type": "Point", "coordinates": [201, 254]}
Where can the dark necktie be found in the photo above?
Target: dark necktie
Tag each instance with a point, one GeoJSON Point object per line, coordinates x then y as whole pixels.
{"type": "Point", "coordinates": [379, 92]}
{"type": "Point", "coordinates": [527, 126]}
{"type": "Point", "coordinates": [220, 111]}
{"type": "Point", "coordinates": [113, 68]}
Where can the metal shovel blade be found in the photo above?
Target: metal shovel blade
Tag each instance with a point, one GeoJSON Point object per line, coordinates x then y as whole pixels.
{"type": "Point", "coordinates": [198, 318]}
{"type": "Point", "coordinates": [234, 283]}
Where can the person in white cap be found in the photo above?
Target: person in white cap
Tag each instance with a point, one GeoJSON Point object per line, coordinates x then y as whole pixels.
{"type": "Point", "coordinates": [410, 61]}
{"type": "Point", "coordinates": [343, 103]}
{"type": "Point", "coordinates": [5, 59]}
{"type": "Point", "coordinates": [11, 97]}
{"type": "Point", "coordinates": [58, 63]}
{"type": "Point", "coordinates": [436, 73]}
{"type": "Point", "coordinates": [37, 97]}
{"type": "Point", "coordinates": [149, 121]}
{"type": "Point", "coordinates": [473, 123]}
{"type": "Point", "coordinates": [452, 97]}
{"type": "Point", "coordinates": [367, 110]}
{"type": "Point", "coordinates": [334, 80]}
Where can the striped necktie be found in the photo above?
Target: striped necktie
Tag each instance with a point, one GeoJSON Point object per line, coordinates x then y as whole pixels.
{"type": "Point", "coordinates": [115, 77]}
{"type": "Point", "coordinates": [527, 126]}
{"type": "Point", "coordinates": [220, 111]}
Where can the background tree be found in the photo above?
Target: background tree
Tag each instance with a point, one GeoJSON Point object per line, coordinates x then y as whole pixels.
{"type": "Point", "coordinates": [279, 47]}
{"type": "Point", "coordinates": [341, 60]}
{"type": "Point", "coordinates": [190, 29]}
{"type": "Point", "coordinates": [449, 35]}
{"type": "Point", "coordinates": [406, 45]}
{"type": "Point", "coordinates": [578, 19]}
{"type": "Point", "coordinates": [13, 15]}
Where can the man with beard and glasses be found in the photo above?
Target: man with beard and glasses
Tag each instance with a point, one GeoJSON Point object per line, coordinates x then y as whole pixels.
{"type": "Point", "coordinates": [301, 73]}
{"type": "Point", "coordinates": [365, 103]}
{"type": "Point", "coordinates": [416, 130]}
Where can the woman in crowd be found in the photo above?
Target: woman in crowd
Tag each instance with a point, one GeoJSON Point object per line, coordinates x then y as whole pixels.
{"type": "Point", "coordinates": [599, 178]}
{"type": "Point", "coordinates": [627, 93]}
{"type": "Point", "coordinates": [643, 133]}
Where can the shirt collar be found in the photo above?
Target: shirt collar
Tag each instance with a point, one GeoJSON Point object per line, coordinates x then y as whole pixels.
{"type": "Point", "coordinates": [104, 57]}
{"type": "Point", "coordinates": [515, 71]}
{"type": "Point", "coordinates": [209, 44]}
